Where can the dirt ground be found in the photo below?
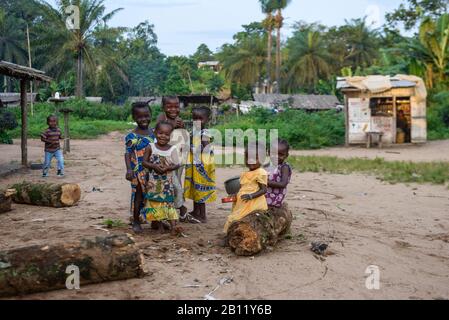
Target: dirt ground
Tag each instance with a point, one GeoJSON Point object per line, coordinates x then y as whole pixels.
{"type": "Point", "coordinates": [402, 229]}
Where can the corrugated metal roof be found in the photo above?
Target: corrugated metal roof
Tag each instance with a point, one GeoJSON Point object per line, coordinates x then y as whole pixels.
{"type": "Point", "coordinates": [297, 101]}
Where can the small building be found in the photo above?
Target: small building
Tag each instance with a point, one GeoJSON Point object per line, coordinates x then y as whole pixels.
{"type": "Point", "coordinates": [394, 107]}
{"type": "Point", "coordinates": [212, 65]}
{"type": "Point", "coordinates": [308, 102]}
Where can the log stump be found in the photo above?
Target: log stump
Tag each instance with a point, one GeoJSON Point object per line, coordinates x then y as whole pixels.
{"type": "Point", "coordinates": [47, 195]}
{"type": "Point", "coordinates": [35, 269]}
{"type": "Point", "coordinates": [257, 231]}
{"type": "Point", "coordinates": [6, 200]}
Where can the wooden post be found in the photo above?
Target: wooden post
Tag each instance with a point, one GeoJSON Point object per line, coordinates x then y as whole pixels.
{"type": "Point", "coordinates": [23, 106]}
{"type": "Point", "coordinates": [346, 121]}
{"type": "Point", "coordinates": [66, 113]}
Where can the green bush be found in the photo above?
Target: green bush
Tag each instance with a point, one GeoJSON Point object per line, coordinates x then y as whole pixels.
{"type": "Point", "coordinates": [7, 122]}
{"type": "Point", "coordinates": [301, 129]}
{"type": "Point", "coordinates": [438, 116]}
{"type": "Point", "coordinates": [89, 120]}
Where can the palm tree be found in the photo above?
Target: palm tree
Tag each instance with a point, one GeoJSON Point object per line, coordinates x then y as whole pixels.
{"type": "Point", "coordinates": [267, 8]}
{"type": "Point", "coordinates": [12, 40]}
{"type": "Point", "coordinates": [308, 60]}
{"type": "Point", "coordinates": [77, 47]}
{"type": "Point", "coordinates": [279, 5]}
{"type": "Point", "coordinates": [362, 43]}
{"type": "Point", "coordinates": [243, 62]}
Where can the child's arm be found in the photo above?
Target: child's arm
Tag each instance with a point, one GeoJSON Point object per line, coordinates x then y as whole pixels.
{"type": "Point", "coordinates": [262, 191]}
{"type": "Point", "coordinates": [44, 137]}
{"type": "Point", "coordinates": [179, 123]}
{"type": "Point", "coordinates": [176, 161]}
{"type": "Point", "coordinates": [129, 171]}
{"type": "Point", "coordinates": [285, 172]}
{"type": "Point", "coordinates": [149, 165]}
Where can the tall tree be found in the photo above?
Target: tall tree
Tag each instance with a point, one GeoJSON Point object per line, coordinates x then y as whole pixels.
{"type": "Point", "coordinates": [279, 5]}
{"type": "Point", "coordinates": [78, 45]}
{"type": "Point", "coordinates": [415, 11]}
{"type": "Point", "coordinates": [203, 53]}
{"type": "Point", "coordinates": [244, 61]}
{"type": "Point", "coordinates": [269, 23]}
{"type": "Point", "coordinates": [362, 43]}
{"type": "Point", "coordinates": [307, 60]}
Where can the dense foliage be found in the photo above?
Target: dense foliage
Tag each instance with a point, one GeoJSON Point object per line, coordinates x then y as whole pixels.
{"type": "Point", "coordinates": [117, 62]}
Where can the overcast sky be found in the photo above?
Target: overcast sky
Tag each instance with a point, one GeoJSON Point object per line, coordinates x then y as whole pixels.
{"type": "Point", "coordinates": [182, 25]}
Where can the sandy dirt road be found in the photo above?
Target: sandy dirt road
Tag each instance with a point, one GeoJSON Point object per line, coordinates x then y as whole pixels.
{"type": "Point", "coordinates": [402, 229]}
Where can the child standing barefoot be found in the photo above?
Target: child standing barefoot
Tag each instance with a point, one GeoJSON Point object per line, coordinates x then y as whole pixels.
{"type": "Point", "coordinates": [279, 177]}
{"type": "Point", "coordinates": [251, 196]}
{"type": "Point", "coordinates": [180, 138]}
{"type": "Point", "coordinates": [200, 170]}
{"type": "Point", "coordinates": [136, 143]}
{"type": "Point", "coordinates": [162, 160]}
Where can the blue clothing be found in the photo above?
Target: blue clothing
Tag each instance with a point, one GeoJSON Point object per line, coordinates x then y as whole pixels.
{"type": "Point", "coordinates": [59, 158]}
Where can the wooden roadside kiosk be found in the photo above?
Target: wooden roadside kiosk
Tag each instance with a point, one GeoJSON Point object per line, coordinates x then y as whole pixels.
{"type": "Point", "coordinates": [383, 109]}
{"type": "Point", "coordinates": [25, 75]}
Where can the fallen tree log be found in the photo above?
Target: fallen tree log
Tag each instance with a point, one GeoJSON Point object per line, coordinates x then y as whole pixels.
{"type": "Point", "coordinates": [43, 268]}
{"type": "Point", "coordinates": [257, 231]}
{"type": "Point", "coordinates": [47, 195]}
{"type": "Point", "coordinates": [6, 200]}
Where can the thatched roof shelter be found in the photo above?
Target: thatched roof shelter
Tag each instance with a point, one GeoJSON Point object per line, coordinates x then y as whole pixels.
{"type": "Point", "coordinates": [20, 72]}
{"type": "Point", "coordinates": [25, 75]}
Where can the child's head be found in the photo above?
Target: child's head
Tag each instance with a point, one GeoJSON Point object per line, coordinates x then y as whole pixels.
{"type": "Point", "coordinates": [52, 121]}
{"type": "Point", "coordinates": [282, 151]}
{"type": "Point", "coordinates": [163, 132]}
{"type": "Point", "coordinates": [171, 106]}
{"type": "Point", "coordinates": [201, 114]}
{"type": "Point", "coordinates": [254, 155]}
{"type": "Point", "coordinates": [141, 114]}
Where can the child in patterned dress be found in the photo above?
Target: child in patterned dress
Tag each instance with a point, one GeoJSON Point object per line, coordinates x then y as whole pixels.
{"type": "Point", "coordinates": [161, 161]}
{"type": "Point", "coordinates": [136, 142]}
{"type": "Point", "coordinates": [279, 176]}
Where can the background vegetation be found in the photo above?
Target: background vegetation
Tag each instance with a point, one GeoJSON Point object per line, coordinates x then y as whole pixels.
{"type": "Point", "coordinates": [116, 62]}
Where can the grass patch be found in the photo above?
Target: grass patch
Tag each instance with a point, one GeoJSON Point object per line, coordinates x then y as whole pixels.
{"type": "Point", "coordinates": [390, 171]}
{"type": "Point", "coordinates": [110, 224]}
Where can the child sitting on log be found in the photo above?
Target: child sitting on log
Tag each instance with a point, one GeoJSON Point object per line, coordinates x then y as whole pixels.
{"type": "Point", "coordinates": [251, 196]}
{"type": "Point", "coordinates": [279, 176]}
{"type": "Point", "coordinates": [136, 143]}
{"type": "Point", "coordinates": [162, 160]}
{"type": "Point", "coordinates": [51, 137]}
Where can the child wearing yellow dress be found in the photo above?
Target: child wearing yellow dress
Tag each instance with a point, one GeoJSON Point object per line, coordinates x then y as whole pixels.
{"type": "Point", "coordinates": [251, 196]}
{"type": "Point", "coordinates": [200, 183]}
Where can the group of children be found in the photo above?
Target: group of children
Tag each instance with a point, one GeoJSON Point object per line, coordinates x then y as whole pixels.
{"type": "Point", "coordinates": [155, 163]}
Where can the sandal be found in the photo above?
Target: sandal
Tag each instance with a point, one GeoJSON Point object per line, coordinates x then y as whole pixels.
{"type": "Point", "coordinates": [188, 218]}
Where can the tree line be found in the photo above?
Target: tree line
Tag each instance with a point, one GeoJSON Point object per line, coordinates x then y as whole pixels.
{"type": "Point", "coordinates": [118, 62]}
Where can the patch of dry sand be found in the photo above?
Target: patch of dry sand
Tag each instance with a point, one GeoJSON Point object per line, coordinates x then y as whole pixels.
{"type": "Point", "coordinates": [403, 229]}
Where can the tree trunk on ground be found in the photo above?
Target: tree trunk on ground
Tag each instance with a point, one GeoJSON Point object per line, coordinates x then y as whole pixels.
{"type": "Point", "coordinates": [47, 195]}
{"type": "Point", "coordinates": [6, 200]}
{"type": "Point", "coordinates": [259, 230]}
{"type": "Point", "coordinates": [279, 22]}
{"type": "Point", "coordinates": [43, 268]}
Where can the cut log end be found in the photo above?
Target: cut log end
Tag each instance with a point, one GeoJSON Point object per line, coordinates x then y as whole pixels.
{"type": "Point", "coordinates": [47, 194]}
{"type": "Point", "coordinates": [70, 195]}
{"type": "Point", "coordinates": [261, 229]}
